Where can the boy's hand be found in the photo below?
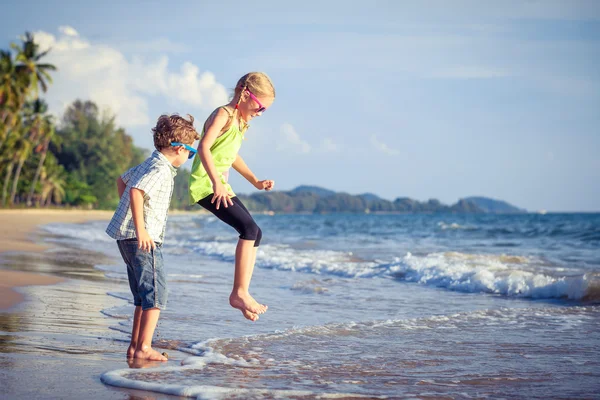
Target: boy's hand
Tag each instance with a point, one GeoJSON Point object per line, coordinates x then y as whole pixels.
{"type": "Point", "coordinates": [145, 242]}
{"type": "Point", "coordinates": [221, 196]}
{"type": "Point", "coordinates": [266, 184]}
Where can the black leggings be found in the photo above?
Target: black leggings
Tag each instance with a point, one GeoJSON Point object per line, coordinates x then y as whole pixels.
{"type": "Point", "coordinates": [236, 216]}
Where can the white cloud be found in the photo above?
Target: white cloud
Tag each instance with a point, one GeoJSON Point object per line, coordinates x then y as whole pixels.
{"type": "Point", "coordinates": [382, 147]}
{"type": "Point", "coordinates": [67, 30]}
{"type": "Point", "coordinates": [329, 146]}
{"type": "Point", "coordinates": [292, 140]}
{"type": "Point", "coordinates": [188, 86]}
{"type": "Point", "coordinates": [103, 74]}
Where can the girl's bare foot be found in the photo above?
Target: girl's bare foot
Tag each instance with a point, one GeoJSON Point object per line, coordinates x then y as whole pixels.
{"type": "Point", "coordinates": [246, 302]}
{"type": "Point", "coordinates": [148, 353]}
{"type": "Point", "coordinates": [250, 315]}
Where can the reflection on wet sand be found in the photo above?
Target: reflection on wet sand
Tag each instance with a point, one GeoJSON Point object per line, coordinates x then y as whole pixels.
{"type": "Point", "coordinates": [136, 363]}
{"type": "Point", "coordinates": [65, 262]}
{"type": "Point", "coordinates": [57, 343]}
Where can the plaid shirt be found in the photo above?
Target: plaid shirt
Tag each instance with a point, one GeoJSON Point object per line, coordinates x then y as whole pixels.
{"type": "Point", "coordinates": [155, 178]}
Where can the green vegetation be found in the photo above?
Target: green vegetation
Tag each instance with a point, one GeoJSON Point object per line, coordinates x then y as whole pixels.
{"type": "Point", "coordinates": [494, 206]}
{"type": "Point", "coordinates": [74, 162]}
{"type": "Point", "coordinates": [93, 153]}
{"type": "Point", "coordinates": [312, 199]}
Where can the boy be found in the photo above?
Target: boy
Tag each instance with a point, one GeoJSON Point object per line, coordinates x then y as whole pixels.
{"type": "Point", "coordinates": [138, 226]}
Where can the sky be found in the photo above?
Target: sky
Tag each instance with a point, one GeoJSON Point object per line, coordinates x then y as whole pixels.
{"type": "Point", "coordinates": [422, 99]}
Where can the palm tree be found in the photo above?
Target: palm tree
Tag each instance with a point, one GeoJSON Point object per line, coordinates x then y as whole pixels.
{"type": "Point", "coordinates": [10, 166]}
{"type": "Point", "coordinates": [8, 83]}
{"type": "Point", "coordinates": [35, 124]}
{"type": "Point", "coordinates": [12, 86]}
{"type": "Point", "coordinates": [20, 157]}
{"type": "Point", "coordinates": [53, 182]}
{"type": "Point", "coordinates": [20, 149]}
{"type": "Point", "coordinates": [19, 78]}
{"type": "Point", "coordinates": [49, 134]}
{"type": "Point", "coordinates": [29, 56]}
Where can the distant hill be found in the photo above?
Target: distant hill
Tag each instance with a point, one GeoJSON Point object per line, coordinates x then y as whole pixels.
{"type": "Point", "coordinates": [369, 197]}
{"type": "Point", "coordinates": [494, 206]}
{"type": "Point", "coordinates": [319, 191]}
{"type": "Point", "coordinates": [314, 199]}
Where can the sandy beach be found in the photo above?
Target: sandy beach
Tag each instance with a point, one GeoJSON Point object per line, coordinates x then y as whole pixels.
{"type": "Point", "coordinates": [18, 234]}
{"type": "Point", "coordinates": [55, 342]}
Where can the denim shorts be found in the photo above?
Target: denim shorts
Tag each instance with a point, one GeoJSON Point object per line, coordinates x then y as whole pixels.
{"type": "Point", "coordinates": [146, 274]}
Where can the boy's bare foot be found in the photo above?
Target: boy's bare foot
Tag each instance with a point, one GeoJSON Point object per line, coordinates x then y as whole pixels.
{"type": "Point", "coordinates": [149, 354]}
{"type": "Point", "coordinates": [246, 302]}
{"type": "Point", "coordinates": [138, 363]}
{"type": "Point", "coordinates": [250, 315]}
{"type": "Point", "coordinates": [130, 351]}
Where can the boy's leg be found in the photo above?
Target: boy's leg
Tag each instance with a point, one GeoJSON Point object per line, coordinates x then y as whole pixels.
{"type": "Point", "coordinates": [152, 289]}
{"type": "Point", "coordinates": [135, 331]}
{"type": "Point", "coordinates": [127, 250]}
{"type": "Point", "coordinates": [144, 349]}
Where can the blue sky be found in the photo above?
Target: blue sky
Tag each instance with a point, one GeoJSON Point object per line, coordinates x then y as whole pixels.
{"type": "Point", "coordinates": [424, 99]}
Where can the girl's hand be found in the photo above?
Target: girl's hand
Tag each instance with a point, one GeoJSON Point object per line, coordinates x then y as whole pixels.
{"type": "Point", "coordinates": [145, 242]}
{"type": "Point", "coordinates": [266, 184]}
{"type": "Point", "coordinates": [221, 196]}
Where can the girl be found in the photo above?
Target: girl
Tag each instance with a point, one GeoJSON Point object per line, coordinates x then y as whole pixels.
{"type": "Point", "coordinates": [220, 141]}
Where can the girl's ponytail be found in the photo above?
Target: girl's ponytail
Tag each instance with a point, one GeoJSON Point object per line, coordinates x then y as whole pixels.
{"type": "Point", "coordinates": [259, 84]}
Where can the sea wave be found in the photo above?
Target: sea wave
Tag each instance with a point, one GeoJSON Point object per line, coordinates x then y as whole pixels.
{"type": "Point", "coordinates": [508, 275]}
{"type": "Point", "coordinates": [511, 275]}
{"type": "Point", "coordinates": [320, 361]}
{"type": "Point", "coordinates": [88, 232]}
{"type": "Point", "coordinates": [497, 274]}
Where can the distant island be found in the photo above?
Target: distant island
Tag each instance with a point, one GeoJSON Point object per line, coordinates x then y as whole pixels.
{"type": "Point", "coordinates": [314, 199]}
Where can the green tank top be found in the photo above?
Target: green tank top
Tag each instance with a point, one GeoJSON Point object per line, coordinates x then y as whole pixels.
{"type": "Point", "coordinates": [224, 152]}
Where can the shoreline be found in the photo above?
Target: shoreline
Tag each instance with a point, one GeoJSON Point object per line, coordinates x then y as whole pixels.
{"type": "Point", "coordinates": [18, 230]}
{"type": "Point", "coordinates": [57, 340]}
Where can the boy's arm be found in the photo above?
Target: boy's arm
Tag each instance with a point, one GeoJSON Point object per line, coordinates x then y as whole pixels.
{"type": "Point", "coordinates": [240, 166]}
{"type": "Point", "coordinates": [121, 186]}
{"type": "Point", "coordinates": [145, 242]}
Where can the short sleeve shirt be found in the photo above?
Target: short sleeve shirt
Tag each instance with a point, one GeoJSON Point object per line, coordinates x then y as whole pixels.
{"type": "Point", "coordinates": [155, 178]}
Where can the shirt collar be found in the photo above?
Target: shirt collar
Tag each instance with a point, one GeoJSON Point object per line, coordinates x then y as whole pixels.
{"type": "Point", "coordinates": [163, 160]}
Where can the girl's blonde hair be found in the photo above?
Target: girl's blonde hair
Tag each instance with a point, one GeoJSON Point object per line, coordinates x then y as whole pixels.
{"type": "Point", "coordinates": [259, 84]}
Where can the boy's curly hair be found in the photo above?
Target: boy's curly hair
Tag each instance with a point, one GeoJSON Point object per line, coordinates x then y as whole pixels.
{"type": "Point", "coordinates": [174, 128]}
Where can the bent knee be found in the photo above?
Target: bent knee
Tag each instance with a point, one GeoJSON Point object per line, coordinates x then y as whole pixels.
{"type": "Point", "coordinates": [258, 237]}
{"type": "Point", "coordinates": [250, 231]}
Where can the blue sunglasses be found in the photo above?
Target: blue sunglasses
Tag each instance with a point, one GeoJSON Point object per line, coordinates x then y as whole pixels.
{"type": "Point", "coordinates": [192, 150]}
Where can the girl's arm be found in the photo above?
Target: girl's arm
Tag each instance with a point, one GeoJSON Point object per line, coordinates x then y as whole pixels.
{"type": "Point", "coordinates": [211, 132]}
{"type": "Point", "coordinates": [240, 166]}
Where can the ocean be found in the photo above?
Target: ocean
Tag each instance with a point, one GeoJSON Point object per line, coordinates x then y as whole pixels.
{"type": "Point", "coordinates": [372, 306]}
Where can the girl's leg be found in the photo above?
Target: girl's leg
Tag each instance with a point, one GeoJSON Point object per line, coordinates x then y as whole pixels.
{"type": "Point", "coordinates": [238, 217]}
{"type": "Point", "coordinates": [245, 256]}
{"type": "Point", "coordinates": [135, 331]}
{"type": "Point", "coordinates": [144, 348]}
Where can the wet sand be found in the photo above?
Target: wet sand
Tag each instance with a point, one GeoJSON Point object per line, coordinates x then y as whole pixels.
{"type": "Point", "coordinates": [54, 340]}
{"type": "Point", "coordinates": [18, 234]}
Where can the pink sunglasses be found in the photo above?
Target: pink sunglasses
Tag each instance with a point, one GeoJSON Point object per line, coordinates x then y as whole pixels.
{"type": "Point", "coordinates": [262, 108]}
